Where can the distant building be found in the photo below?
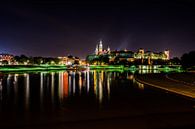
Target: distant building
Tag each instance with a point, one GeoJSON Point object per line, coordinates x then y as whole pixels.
{"type": "Point", "coordinates": [99, 49]}
{"type": "Point", "coordinates": [127, 55]}
{"type": "Point", "coordinates": [69, 60]}
{"type": "Point", "coordinates": [166, 52]}
{"type": "Point", "coordinates": [6, 58]}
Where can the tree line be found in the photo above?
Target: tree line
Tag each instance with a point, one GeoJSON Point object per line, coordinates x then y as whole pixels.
{"type": "Point", "coordinates": [23, 59]}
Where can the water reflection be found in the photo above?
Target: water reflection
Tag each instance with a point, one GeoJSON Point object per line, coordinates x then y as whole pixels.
{"type": "Point", "coordinates": [27, 90]}
{"type": "Point", "coordinates": [49, 89]}
{"type": "Point", "coordinates": [41, 89]}
{"type": "Point", "coordinates": [1, 89]}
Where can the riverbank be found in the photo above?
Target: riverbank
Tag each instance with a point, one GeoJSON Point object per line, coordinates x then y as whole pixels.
{"type": "Point", "coordinates": [173, 83]}
{"type": "Point", "coordinates": [20, 68]}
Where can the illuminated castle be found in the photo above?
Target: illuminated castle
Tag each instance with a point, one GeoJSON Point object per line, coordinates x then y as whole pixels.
{"type": "Point", "coordinates": [99, 49]}
{"type": "Point", "coordinates": [141, 56]}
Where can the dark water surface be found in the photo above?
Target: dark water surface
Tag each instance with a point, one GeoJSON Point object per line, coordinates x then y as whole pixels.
{"type": "Point", "coordinates": [45, 97]}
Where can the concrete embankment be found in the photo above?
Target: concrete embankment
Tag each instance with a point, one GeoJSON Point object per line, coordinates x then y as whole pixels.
{"type": "Point", "coordinates": [164, 82]}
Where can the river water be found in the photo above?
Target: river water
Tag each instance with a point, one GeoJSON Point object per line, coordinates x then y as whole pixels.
{"type": "Point", "coordinates": [83, 94]}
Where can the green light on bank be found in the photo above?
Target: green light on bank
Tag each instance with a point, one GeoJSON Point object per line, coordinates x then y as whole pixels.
{"type": "Point", "coordinates": [30, 68]}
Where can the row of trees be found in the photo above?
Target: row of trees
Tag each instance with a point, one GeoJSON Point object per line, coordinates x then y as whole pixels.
{"type": "Point", "coordinates": [187, 60]}
{"type": "Point", "coordinates": [36, 60]}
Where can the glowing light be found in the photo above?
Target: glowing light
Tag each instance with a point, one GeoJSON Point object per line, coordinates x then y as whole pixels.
{"type": "Point", "coordinates": [87, 81]}
{"type": "Point", "coordinates": [65, 84]}
{"type": "Point", "coordinates": [74, 87]}
{"type": "Point", "coordinates": [69, 82]}
{"type": "Point", "coordinates": [69, 63]}
{"type": "Point", "coordinates": [52, 86]}
{"type": "Point", "coordinates": [31, 68]}
{"type": "Point", "coordinates": [100, 89]}
{"type": "Point", "coordinates": [108, 84]}
{"type": "Point", "coordinates": [60, 89]}
{"type": "Point", "coordinates": [80, 82]}
{"type": "Point", "coordinates": [27, 90]}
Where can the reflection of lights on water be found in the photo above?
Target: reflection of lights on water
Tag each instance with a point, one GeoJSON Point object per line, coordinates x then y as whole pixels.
{"type": "Point", "coordinates": [60, 89]}
{"type": "Point", "coordinates": [100, 88]}
{"type": "Point", "coordinates": [27, 90]}
{"type": "Point", "coordinates": [74, 87]}
{"type": "Point", "coordinates": [156, 71]}
{"type": "Point", "coordinates": [140, 86]}
{"type": "Point", "coordinates": [8, 83]}
{"type": "Point", "coordinates": [143, 69]}
{"type": "Point", "coordinates": [102, 76]}
{"type": "Point", "coordinates": [15, 82]}
{"type": "Point", "coordinates": [52, 87]}
{"type": "Point", "coordinates": [88, 81]}
{"type": "Point", "coordinates": [95, 81]}
{"type": "Point", "coordinates": [41, 89]}
{"type": "Point", "coordinates": [80, 82]}
{"type": "Point", "coordinates": [15, 79]}
{"type": "Point", "coordinates": [98, 85]}
{"type": "Point", "coordinates": [108, 84]}
{"type": "Point", "coordinates": [65, 84]}
{"type": "Point", "coordinates": [84, 79]}
{"type": "Point", "coordinates": [1, 89]}
{"type": "Point", "coordinates": [69, 83]}
{"type": "Point", "coordinates": [48, 81]}
{"type": "Point", "coordinates": [130, 77]}
{"type": "Point", "coordinates": [134, 81]}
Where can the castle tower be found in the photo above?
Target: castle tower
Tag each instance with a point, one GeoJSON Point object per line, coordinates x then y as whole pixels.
{"type": "Point", "coordinates": [96, 50]}
{"type": "Point", "coordinates": [141, 52]}
{"type": "Point", "coordinates": [108, 50]}
{"type": "Point", "coordinates": [166, 52]}
{"type": "Point", "coordinates": [100, 46]}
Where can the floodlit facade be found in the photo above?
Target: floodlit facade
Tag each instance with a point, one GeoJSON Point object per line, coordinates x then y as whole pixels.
{"type": "Point", "coordinates": [6, 58]}
{"type": "Point", "coordinates": [127, 55]}
{"type": "Point", "coordinates": [69, 60]}
{"type": "Point", "coordinates": [99, 49]}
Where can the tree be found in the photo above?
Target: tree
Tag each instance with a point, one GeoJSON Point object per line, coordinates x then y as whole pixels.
{"type": "Point", "coordinates": [38, 60]}
{"type": "Point", "coordinates": [4, 62]}
{"type": "Point", "coordinates": [104, 59]}
{"type": "Point", "coordinates": [187, 59]}
{"type": "Point", "coordinates": [21, 59]}
{"type": "Point", "coordinates": [175, 61]}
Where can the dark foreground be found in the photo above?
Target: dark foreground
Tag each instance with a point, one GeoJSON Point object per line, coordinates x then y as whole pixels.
{"type": "Point", "coordinates": [89, 99]}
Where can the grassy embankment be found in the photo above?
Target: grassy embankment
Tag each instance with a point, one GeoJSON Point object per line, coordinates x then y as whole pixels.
{"type": "Point", "coordinates": [12, 68]}
{"type": "Point", "coordinates": [106, 67]}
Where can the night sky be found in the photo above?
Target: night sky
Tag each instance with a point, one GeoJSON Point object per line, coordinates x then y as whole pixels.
{"type": "Point", "coordinates": [57, 28]}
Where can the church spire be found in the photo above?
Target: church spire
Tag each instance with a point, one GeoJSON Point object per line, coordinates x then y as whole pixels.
{"type": "Point", "coordinates": [96, 50]}
{"type": "Point", "coordinates": [108, 50]}
{"type": "Point", "coordinates": [100, 46]}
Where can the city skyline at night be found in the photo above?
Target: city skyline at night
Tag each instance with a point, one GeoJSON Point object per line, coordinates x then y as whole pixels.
{"type": "Point", "coordinates": [58, 28]}
{"type": "Point", "coordinates": [100, 64]}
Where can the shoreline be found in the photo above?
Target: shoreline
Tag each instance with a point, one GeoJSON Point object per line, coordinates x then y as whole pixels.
{"type": "Point", "coordinates": [21, 68]}
{"type": "Point", "coordinates": [160, 81]}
